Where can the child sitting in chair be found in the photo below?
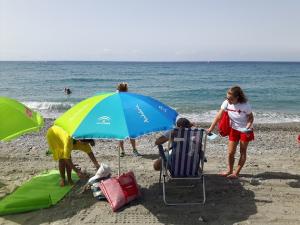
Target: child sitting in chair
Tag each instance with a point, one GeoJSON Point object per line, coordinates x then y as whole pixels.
{"type": "Point", "coordinates": [181, 123]}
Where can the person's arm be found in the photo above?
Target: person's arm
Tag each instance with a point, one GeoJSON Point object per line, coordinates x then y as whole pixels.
{"type": "Point", "coordinates": [250, 119]}
{"type": "Point", "coordinates": [88, 141]}
{"type": "Point", "coordinates": [161, 140]}
{"type": "Point", "coordinates": [94, 160]}
{"type": "Point", "coordinates": [216, 120]}
{"type": "Point", "coordinates": [84, 145]}
{"type": "Point", "coordinates": [67, 156]}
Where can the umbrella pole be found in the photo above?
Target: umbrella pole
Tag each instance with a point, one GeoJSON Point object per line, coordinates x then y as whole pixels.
{"type": "Point", "coordinates": [119, 170]}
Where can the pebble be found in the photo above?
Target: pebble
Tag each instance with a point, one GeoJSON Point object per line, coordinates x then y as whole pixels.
{"type": "Point", "coordinates": [255, 181]}
{"type": "Point", "coordinates": [202, 219]}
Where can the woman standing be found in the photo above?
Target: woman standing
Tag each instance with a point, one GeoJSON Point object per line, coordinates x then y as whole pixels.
{"type": "Point", "coordinates": [241, 131]}
{"type": "Point", "coordinates": [123, 87]}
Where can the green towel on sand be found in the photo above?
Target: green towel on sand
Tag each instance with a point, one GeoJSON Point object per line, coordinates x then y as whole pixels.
{"type": "Point", "coordinates": [42, 191]}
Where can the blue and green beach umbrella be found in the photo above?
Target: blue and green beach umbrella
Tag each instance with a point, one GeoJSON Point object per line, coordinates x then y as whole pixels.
{"type": "Point", "coordinates": [117, 115]}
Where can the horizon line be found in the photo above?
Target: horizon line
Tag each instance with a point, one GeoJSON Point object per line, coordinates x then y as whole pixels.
{"type": "Point", "coordinates": [159, 61]}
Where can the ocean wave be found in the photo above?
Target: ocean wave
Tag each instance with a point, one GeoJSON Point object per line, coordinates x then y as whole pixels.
{"type": "Point", "coordinates": [259, 117]}
{"type": "Point", "coordinates": [54, 109]}
{"type": "Point", "coordinates": [49, 106]}
{"type": "Point", "coordinates": [70, 80]}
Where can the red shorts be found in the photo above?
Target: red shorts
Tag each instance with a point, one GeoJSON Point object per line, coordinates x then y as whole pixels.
{"type": "Point", "coordinates": [236, 136]}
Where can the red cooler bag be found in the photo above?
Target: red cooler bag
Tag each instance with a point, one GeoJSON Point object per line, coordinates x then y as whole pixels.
{"type": "Point", "coordinates": [224, 125]}
{"type": "Point", "coordinates": [120, 190]}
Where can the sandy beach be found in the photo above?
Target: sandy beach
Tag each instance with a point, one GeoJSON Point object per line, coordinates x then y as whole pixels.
{"type": "Point", "coordinates": [128, 68]}
{"type": "Point", "coordinates": [267, 192]}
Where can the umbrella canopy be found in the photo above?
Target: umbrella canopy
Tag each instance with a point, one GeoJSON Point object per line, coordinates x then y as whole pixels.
{"type": "Point", "coordinates": [16, 119]}
{"type": "Point", "coordinates": [117, 115]}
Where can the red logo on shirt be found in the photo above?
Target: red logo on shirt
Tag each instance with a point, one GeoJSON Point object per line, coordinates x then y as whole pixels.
{"type": "Point", "coordinates": [238, 111]}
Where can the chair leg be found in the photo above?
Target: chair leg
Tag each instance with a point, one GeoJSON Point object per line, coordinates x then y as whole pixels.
{"type": "Point", "coordinates": [160, 180]}
{"type": "Point", "coordinates": [204, 192]}
{"type": "Point", "coordinates": [160, 172]}
{"type": "Point", "coordinates": [164, 190]}
{"type": "Point", "coordinates": [182, 203]}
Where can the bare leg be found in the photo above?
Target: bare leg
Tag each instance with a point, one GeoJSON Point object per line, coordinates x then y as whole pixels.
{"type": "Point", "coordinates": [157, 164]}
{"type": "Point", "coordinates": [134, 150]}
{"type": "Point", "coordinates": [121, 145]}
{"type": "Point", "coordinates": [133, 144]}
{"type": "Point", "coordinates": [69, 174]}
{"type": "Point", "coordinates": [94, 160]}
{"type": "Point", "coordinates": [231, 152]}
{"type": "Point", "coordinates": [62, 168]}
{"type": "Point", "coordinates": [243, 157]}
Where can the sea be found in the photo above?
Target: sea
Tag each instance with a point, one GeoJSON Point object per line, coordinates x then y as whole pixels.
{"type": "Point", "coordinates": [195, 89]}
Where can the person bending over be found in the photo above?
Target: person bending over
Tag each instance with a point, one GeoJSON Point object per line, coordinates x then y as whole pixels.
{"type": "Point", "coordinates": [61, 146]}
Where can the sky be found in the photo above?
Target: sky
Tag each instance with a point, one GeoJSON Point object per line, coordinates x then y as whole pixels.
{"type": "Point", "coordinates": [150, 30]}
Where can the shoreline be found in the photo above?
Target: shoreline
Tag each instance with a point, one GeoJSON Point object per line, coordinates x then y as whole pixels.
{"type": "Point", "coordinates": [200, 117]}
{"type": "Point", "coordinates": [289, 126]}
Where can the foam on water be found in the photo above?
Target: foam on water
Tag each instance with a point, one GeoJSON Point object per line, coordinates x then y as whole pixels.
{"type": "Point", "coordinates": [49, 109]}
{"type": "Point", "coordinates": [259, 117]}
{"type": "Point", "coordinates": [54, 109]}
{"type": "Point", "coordinates": [49, 106]}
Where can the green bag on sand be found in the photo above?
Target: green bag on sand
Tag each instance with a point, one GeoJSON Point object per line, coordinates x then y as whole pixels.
{"type": "Point", "coordinates": [42, 191]}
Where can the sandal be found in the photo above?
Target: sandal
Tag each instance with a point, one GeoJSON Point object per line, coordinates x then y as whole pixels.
{"type": "Point", "coordinates": [224, 174]}
{"type": "Point", "coordinates": [232, 176]}
{"type": "Point", "coordinates": [136, 153]}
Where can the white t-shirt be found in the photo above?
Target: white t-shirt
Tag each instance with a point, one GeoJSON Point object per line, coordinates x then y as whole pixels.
{"type": "Point", "coordinates": [237, 113]}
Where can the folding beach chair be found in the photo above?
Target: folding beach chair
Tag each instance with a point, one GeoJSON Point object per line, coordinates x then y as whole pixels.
{"type": "Point", "coordinates": [184, 161]}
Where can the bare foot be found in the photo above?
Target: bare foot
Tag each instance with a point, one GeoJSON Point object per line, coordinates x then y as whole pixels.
{"type": "Point", "coordinates": [225, 174]}
{"type": "Point", "coordinates": [233, 176]}
{"type": "Point", "coordinates": [70, 182]}
{"type": "Point", "coordinates": [62, 183]}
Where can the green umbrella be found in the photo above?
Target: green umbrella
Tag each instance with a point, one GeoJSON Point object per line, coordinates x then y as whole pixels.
{"type": "Point", "coordinates": [16, 119]}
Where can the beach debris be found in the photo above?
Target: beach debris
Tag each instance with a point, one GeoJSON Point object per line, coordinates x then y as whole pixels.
{"type": "Point", "coordinates": [202, 219]}
{"type": "Point", "coordinates": [263, 200]}
{"type": "Point", "coordinates": [255, 181]}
